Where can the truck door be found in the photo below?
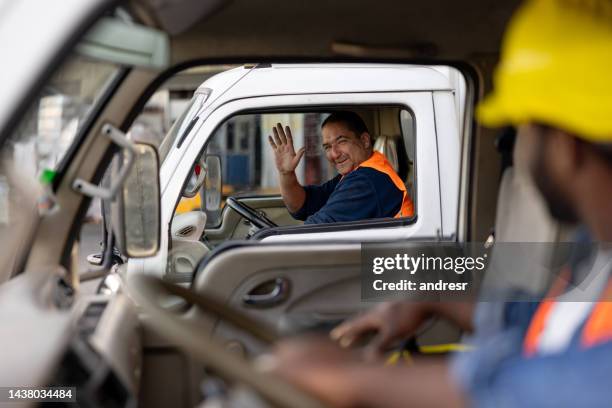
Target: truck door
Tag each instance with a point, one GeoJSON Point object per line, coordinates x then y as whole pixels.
{"type": "Point", "coordinates": [417, 106]}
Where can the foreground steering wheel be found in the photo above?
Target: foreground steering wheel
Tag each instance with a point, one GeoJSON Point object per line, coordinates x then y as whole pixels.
{"type": "Point", "coordinates": [148, 290]}
{"type": "Point", "coordinates": [256, 218]}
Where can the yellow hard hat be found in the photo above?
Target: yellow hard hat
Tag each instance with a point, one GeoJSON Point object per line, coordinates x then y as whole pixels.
{"type": "Point", "coordinates": [556, 69]}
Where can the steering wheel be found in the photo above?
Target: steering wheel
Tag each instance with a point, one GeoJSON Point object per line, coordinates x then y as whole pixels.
{"type": "Point", "coordinates": [256, 218]}
{"type": "Point", "coordinates": [148, 290]}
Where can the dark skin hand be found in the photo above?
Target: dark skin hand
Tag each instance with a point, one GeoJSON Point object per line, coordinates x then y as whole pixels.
{"type": "Point", "coordinates": [396, 321]}
{"type": "Point", "coordinates": [344, 377]}
{"type": "Point", "coordinates": [339, 378]}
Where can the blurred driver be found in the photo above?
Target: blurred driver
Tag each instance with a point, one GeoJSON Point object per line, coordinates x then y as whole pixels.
{"type": "Point", "coordinates": [553, 82]}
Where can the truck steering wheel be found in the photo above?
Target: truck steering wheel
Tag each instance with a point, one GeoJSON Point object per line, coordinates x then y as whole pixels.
{"type": "Point", "coordinates": [257, 219]}
{"type": "Point", "coordinates": [147, 290]}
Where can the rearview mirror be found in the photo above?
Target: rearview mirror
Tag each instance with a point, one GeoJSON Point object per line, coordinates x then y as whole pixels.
{"type": "Point", "coordinates": [139, 205]}
{"type": "Point", "coordinates": [114, 40]}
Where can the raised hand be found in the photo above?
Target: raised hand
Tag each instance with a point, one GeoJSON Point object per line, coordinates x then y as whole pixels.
{"type": "Point", "coordinates": [285, 157]}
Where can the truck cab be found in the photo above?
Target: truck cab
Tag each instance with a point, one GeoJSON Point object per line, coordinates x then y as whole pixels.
{"type": "Point", "coordinates": [416, 117]}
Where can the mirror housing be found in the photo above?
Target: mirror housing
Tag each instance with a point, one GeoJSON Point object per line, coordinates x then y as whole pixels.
{"type": "Point", "coordinates": [213, 183]}
{"type": "Point", "coordinates": [196, 180]}
{"type": "Point", "coordinates": [116, 41]}
{"type": "Point", "coordinates": [138, 205]}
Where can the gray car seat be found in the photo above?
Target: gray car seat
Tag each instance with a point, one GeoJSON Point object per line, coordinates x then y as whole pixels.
{"type": "Point", "coordinates": [525, 233]}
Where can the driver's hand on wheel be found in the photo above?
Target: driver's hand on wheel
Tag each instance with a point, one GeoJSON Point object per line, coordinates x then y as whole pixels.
{"type": "Point", "coordinates": [285, 157]}
{"type": "Point", "coordinates": [316, 365]}
{"type": "Point", "coordinates": [391, 321]}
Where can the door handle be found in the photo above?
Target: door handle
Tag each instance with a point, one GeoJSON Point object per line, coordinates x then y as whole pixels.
{"type": "Point", "coordinates": [278, 293]}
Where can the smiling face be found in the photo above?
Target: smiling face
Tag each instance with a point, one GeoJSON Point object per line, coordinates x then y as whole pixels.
{"type": "Point", "coordinates": [343, 148]}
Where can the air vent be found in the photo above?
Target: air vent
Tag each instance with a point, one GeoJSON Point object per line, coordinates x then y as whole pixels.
{"type": "Point", "coordinates": [186, 231]}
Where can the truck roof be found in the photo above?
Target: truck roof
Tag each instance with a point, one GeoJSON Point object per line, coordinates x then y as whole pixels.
{"type": "Point", "coordinates": [291, 79]}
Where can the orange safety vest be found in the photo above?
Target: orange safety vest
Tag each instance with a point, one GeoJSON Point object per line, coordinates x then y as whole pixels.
{"type": "Point", "coordinates": [596, 330]}
{"type": "Point", "coordinates": [380, 163]}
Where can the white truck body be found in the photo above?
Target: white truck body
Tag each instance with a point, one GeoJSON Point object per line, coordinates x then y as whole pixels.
{"type": "Point", "coordinates": [429, 94]}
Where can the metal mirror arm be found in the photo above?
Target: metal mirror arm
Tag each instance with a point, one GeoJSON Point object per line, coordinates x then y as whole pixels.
{"type": "Point", "coordinates": [120, 139]}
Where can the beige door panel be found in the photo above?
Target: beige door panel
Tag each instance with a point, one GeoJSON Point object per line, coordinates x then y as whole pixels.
{"type": "Point", "coordinates": [186, 249]}
{"type": "Point", "coordinates": [293, 287]}
{"type": "Point", "coordinates": [183, 259]}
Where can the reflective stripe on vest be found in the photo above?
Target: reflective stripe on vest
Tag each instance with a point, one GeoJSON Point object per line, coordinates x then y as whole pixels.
{"type": "Point", "coordinates": [596, 330]}
{"type": "Point", "coordinates": [380, 163]}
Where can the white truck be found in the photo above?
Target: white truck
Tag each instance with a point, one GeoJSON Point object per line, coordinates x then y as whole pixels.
{"type": "Point", "coordinates": [414, 113]}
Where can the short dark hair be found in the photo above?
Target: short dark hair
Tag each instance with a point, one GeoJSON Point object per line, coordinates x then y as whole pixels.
{"type": "Point", "coordinates": [351, 120]}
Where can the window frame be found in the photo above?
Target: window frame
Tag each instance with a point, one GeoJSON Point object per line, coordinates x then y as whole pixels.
{"type": "Point", "coordinates": [424, 227]}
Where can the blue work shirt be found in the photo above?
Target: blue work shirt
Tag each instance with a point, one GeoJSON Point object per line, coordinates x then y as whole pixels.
{"type": "Point", "coordinates": [364, 193]}
{"type": "Point", "coordinates": [497, 373]}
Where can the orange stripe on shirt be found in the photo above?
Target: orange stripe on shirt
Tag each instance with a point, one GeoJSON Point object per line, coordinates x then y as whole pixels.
{"type": "Point", "coordinates": [379, 162]}
{"type": "Point", "coordinates": [539, 319]}
{"type": "Point", "coordinates": [598, 328]}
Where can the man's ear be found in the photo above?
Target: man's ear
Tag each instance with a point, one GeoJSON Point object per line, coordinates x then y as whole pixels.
{"type": "Point", "coordinates": [366, 139]}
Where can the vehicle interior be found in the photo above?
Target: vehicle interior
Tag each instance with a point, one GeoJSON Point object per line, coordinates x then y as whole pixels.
{"type": "Point", "coordinates": [248, 175]}
{"type": "Point", "coordinates": [138, 340]}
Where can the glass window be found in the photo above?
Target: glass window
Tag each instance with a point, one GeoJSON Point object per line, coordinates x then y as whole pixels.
{"type": "Point", "coordinates": [247, 160]}
{"type": "Point", "coordinates": [176, 104]}
{"type": "Point", "coordinates": [181, 127]}
{"type": "Point", "coordinates": [53, 120]}
{"type": "Point", "coordinates": [40, 142]}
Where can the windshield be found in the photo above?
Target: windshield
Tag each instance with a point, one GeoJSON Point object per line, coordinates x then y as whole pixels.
{"type": "Point", "coordinates": [183, 124]}
{"type": "Point", "coordinates": [38, 144]}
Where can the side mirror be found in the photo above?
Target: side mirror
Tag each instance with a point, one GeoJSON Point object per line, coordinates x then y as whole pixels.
{"type": "Point", "coordinates": [213, 183]}
{"type": "Point", "coordinates": [138, 232]}
{"type": "Point", "coordinates": [196, 180]}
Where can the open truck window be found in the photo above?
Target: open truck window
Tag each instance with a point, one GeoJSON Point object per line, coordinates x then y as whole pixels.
{"type": "Point", "coordinates": [247, 160]}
